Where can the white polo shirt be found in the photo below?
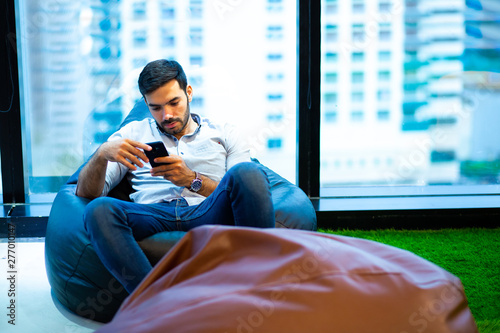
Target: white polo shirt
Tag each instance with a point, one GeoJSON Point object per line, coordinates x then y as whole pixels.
{"type": "Point", "coordinates": [211, 150]}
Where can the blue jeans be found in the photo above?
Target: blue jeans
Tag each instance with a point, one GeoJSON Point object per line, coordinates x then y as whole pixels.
{"type": "Point", "coordinates": [242, 198]}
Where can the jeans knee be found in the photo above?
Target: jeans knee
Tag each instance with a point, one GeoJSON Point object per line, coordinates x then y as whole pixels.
{"type": "Point", "coordinates": [95, 211]}
{"type": "Point", "coordinates": [246, 170]}
{"type": "Point", "coordinates": [249, 175]}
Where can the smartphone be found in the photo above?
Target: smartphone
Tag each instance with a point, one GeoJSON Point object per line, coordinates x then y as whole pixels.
{"type": "Point", "coordinates": [158, 150]}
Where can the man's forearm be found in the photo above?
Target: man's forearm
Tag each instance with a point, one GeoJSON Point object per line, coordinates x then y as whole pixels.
{"type": "Point", "coordinates": [92, 177]}
{"type": "Point", "coordinates": [208, 186]}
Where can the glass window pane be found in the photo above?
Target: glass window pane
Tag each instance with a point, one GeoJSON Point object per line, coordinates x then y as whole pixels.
{"type": "Point", "coordinates": [80, 61]}
{"type": "Point", "coordinates": [416, 86]}
{"type": "Point", "coordinates": [358, 6]}
{"type": "Point", "coordinates": [358, 57]}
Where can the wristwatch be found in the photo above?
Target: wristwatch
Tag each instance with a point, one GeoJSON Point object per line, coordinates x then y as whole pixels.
{"type": "Point", "coordinates": [196, 183]}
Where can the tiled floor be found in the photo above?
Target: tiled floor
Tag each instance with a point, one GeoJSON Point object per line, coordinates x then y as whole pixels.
{"type": "Point", "coordinates": [37, 310]}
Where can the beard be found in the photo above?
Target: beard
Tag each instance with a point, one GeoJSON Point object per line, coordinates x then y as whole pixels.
{"type": "Point", "coordinates": [183, 121]}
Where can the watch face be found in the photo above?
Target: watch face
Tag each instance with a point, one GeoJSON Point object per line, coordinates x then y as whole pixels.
{"type": "Point", "coordinates": [196, 185]}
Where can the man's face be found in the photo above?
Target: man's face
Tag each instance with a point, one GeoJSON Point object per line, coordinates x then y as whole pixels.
{"type": "Point", "coordinates": [169, 106]}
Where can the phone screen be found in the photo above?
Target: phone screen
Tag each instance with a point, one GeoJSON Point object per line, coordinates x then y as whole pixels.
{"type": "Point", "coordinates": [158, 150]}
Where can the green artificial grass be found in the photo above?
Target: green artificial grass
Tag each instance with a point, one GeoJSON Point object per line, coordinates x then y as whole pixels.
{"type": "Point", "coordinates": [473, 255]}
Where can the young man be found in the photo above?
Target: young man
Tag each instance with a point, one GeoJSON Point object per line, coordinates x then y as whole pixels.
{"type": "Point", "coordinates": [206, 179]}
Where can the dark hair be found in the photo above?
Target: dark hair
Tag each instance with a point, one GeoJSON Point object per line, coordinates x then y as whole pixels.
{"type": "Point", "coordinates": [157, 73]}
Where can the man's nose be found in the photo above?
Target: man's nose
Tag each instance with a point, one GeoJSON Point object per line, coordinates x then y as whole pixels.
{"type": "Point", "coordinates": [167, 114]}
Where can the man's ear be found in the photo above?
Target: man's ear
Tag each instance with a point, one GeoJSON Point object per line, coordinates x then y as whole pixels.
{"type": "Point", "coordinates": [145, 100]}
{"type": "Point", "coordinates": [189, 93]}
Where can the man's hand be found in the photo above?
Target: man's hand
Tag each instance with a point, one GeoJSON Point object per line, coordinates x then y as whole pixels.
{"type": "Point", "coordinates": [92, 176]}
{"type": "Point", "coordinates": [126, 152]}
{"type": "Point", "coordinates": [174, 169]}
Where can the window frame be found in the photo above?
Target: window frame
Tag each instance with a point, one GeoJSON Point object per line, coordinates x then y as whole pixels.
{"type": "Point", "coordinates": [11, 148]}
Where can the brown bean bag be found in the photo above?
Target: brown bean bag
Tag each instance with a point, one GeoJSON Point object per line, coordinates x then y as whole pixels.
{"type": "Point", "coordinates": [227, 279]}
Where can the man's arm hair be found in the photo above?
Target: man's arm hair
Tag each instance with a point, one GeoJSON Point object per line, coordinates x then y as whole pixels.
{"type": "Point", "coordinates": [92, 177]}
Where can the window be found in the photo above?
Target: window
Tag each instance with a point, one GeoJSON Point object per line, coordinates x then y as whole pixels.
{"type": "Point", "coordinates": [384, 75]}
{"type": "Point", "coordinates": [274, 32]}
{"type": "Point", "coordinates": [357, 77]}
{"type": "Point", "coordinates": [196, 36]}
{"type": "Point", "coordinates": [357, 96]}
{"type": "Point", "coordinates": [274, 6]}
{"type": "Point", "coordinates": [442, 156]}
{"type": "Point", "coordinates": [383, 115]}
{"type": "Point", "coordinates": [275, 98]}
{"type": "Point", "coordinates": [384, 56]}
{"type": "Point", "coordinates": [197, 102]}
{"type": "Point", "coordinates": [384, 95]}
{"type": "Point", "coordinates": [418, 91]}
{"type": "Point", "coordinates": [274, 143]}
{"type": "Point", "coordinates": [331, 34]}
{"type": "Point", "coordinates": [358, 6]}
{"type": "Point", "coordinates": [384, 33]}
{"type": "Point", "coordinates": [275, 77]}
{"type": "Point", "coordinates": [196, 60]}
{"type": "Point", "coordinates": [274, 57]}
{"type": "Point", "coordinates": [83, 79]}
{"type": "Point", "coordinates": [331, 78]}
{"type": "Point", "coordinates": [358, 32]}
{"type": "Point", "coordinates": [330, 97]}
{"type": "Point", "coordinates": [196, 9]}
{"type": "Point", "coordinates": [331, 7]}
{"type": "Point", "coordinates": [167, 37]}
{"type": "Point", "coordinates": [331, 57]}
{"type": "Point", "coordinates": [357, 116]}
{"type": "Point", "coordinates": [275, 117]}
{"type": "Point", "coordinates": [196, 80]}
{"type": "Point", "coordinates": [140, 38]}
{"type": "Point", "coordinates": [139, 10]}
{"type": "Point", "coordinates": [358, 56]}
{"type": "Point", "coordinates": [384, 6]}
{"type": "Point", "coordinates": [430, 89]}
{"type": "Point", "coordinates": [330, 116]}
{"type": "Point", "coordinates": [167, 10]}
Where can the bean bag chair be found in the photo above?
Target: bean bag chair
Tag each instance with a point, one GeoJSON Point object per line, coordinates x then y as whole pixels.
{"type": "Point", "coordinates": [78, 278]}
{"type": "Point", "coordinates": [227, 279]}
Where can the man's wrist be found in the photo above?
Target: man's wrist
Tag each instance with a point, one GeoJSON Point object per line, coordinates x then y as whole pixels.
{"type": "Point", "coordinates": [196, 183]}
{"type": "Point", "coordinates": [100, 154]}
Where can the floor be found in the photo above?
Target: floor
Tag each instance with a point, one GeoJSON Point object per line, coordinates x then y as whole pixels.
{"type": "Point", "coordinates": [36, 310]}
